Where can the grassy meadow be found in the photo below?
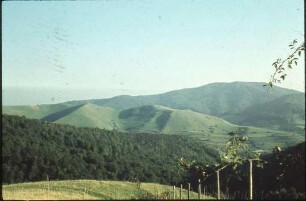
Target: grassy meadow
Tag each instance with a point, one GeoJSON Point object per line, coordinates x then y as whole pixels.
{"type": "Point", "coordinates": [91, 189]}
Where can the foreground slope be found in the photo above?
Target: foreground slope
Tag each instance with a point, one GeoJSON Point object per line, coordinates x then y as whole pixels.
{"type": "Point", "coordinates": [91, 189]}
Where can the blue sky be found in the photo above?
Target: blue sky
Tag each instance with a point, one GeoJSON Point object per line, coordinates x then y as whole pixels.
{"type": "Point", "coordinates": [69, 50]}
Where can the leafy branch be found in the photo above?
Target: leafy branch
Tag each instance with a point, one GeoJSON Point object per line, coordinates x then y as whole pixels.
{"type": "Point", "coordinates": [280, 74]}
{"type": "Point", "coordinates": [237, 151]}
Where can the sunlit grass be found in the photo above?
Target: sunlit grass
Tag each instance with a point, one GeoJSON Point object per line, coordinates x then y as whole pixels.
{"type": "Point", "coordinates": [91, 189]}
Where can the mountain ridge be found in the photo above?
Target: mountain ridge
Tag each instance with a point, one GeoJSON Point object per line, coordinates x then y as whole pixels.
{"type": "Point", "coordinates": [215, 98]}
{"type": "Point", "coordinates": [230, 101]}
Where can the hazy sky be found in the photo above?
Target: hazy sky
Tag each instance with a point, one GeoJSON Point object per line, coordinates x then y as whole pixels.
{"type": "Point", "coordinates": [68, 50]}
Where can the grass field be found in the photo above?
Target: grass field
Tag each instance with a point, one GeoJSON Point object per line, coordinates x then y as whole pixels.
{"type": "Point", "coordinates": [91, 189]}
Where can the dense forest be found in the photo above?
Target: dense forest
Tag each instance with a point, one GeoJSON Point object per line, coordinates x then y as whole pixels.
{"type": "Point", "coordinates": [34, 150]}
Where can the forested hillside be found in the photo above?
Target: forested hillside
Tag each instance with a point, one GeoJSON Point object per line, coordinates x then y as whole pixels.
{"type": "Point", "coordinates": [35, 149]}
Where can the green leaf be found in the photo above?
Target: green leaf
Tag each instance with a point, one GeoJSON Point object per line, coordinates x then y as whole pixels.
{"type": "Point", "coordinates": [283, 76]}
{"type": "Point", "coordinates": [270, 84]}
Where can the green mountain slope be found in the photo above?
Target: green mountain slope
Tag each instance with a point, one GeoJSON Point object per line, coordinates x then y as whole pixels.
{"type": "Point", "coordinates": [245, 103]}
{"type": "Point", "coordinates": [90, 115]}
{"type": "Point", "coordinates": [237, 102]}
{"type": "Point", "coordinates": [214, 99]}
{"type": "Point", "coordinates": [162, 120]}
{"type": "Point", "coordinates": [285, 113]}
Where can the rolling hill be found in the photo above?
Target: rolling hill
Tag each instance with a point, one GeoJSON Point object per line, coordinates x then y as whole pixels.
{"type": "Point", "coordinates": [163, 120]}
{"type": "Point", "coordinates": [89, 115]}
{"type": "Point", "coordinates": [242, 103]}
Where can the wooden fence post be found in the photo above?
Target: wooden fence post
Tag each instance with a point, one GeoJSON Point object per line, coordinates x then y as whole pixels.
{"type": "Point", "coordinates": [218, 185]}
{"type": "Point", "coordinates": [199, 190]}
{"type": "Point", "coordinates": [188, 195]}
{"type": "Point", "coordinates": [203, 192]}
{"type": "Point", "coordinates": [48, 186]}
{"type": "Point", "coordinates": [251, 179]}
{"type": "Point", "coordinates": [174, 192]}
{"type": "Point", "coordinates": [181, 189]}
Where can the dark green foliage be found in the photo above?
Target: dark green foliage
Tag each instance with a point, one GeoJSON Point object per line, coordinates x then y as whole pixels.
{"type": "Point", "coordinates": [34, 150]}
{"type": "Point", "coordinates": [284, 194]}
{"type": "Point", "coordinates": [282, 175]}
{"type": "Point", "coordinates": [285, 169]}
